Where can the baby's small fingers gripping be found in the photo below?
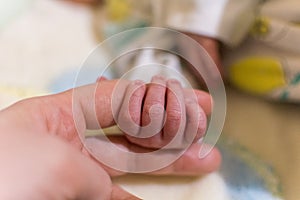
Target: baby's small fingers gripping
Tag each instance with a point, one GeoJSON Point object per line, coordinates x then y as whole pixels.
{"type": "Point", "coordinates": [145, 123]}
{"type": "Point", "coordinates": [153, 109]}
{"type": "Point", "coordinates": [196, 119]}
{"type": "Point", "coordinates": [150, 134]}
{"type": "Point", "coordinates": [176, 114]}
{"type": "Point", "coordinates": [129, 117]}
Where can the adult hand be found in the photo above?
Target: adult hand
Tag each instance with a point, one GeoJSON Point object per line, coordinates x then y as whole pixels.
{"type": "Point", "coordinates": [41, 148]}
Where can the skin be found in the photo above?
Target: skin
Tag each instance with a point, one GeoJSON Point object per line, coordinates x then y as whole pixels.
{"type": "Point", "coordinates": [42, 156]}
{"type": "Point", "coordinates": [183, 113]}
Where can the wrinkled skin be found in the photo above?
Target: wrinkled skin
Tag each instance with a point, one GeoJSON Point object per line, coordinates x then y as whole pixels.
{"type": "Point", "coordinates": [183, 113]}
{"type": "Point", "coordinates": [42, 156]}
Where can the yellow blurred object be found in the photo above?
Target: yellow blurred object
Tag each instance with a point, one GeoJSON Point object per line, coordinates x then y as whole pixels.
{"type": "Point", "coordinates": [118, 10]}
{"type": "Point", "coordinates": [261, 27]}
{"type": "Point", "coordinates": [257, 74]}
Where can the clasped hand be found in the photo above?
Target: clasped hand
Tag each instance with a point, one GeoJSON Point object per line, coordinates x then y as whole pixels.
{"type": "Point", "coordinates": [42, 156]}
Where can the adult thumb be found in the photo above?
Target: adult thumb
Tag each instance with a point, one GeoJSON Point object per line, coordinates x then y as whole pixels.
{"type": "Point", "coordinates": [120, 194]}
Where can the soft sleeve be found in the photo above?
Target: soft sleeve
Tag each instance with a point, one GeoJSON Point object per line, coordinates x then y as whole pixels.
{"type": "Point", "coordinates": [226, 20]}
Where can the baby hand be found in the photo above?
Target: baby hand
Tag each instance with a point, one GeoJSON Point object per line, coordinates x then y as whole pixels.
{"type": "Point", "coordinates": [163, 113]}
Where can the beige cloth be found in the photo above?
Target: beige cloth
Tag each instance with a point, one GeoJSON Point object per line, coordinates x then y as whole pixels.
{"type": "Point", "coordinates": [270, 130]}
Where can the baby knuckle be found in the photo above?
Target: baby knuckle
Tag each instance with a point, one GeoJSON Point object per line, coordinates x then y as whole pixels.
{"type": "Point", "coordinates": [174, 115]}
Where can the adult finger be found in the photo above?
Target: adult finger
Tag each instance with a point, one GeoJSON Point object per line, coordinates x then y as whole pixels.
{"type": "Point", "coordinates": [101, 78]}
{"type": "Point", "coordinates": [120, 194]}
{"type": "Point", "coordinates": [188, 164]}
{"type": "Point", "coordinates": [191, 165]}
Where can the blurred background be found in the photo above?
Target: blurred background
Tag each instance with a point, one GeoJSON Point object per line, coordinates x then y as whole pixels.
{"type": "Point", "coordinates": [44, 42]}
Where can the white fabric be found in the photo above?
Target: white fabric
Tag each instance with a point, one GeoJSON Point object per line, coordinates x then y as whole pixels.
{"type": "Point", "coordinates": [200, 16]}
{"type": "Point", "coordinates": [226, 20]}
